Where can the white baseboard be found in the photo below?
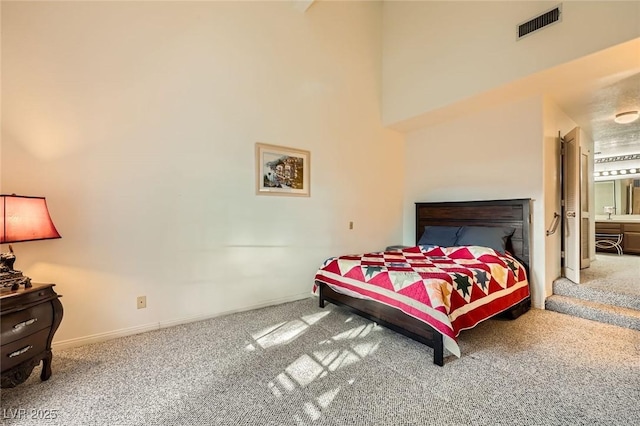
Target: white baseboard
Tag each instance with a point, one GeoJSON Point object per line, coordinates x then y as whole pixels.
{"type": "Point", "coordinates": [102, 337]}
{"type": "Point", "coordinates": [109, 335]}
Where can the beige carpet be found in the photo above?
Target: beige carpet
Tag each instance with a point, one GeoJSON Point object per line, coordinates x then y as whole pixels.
{"type": "Point", "coordinates": [610, 272]}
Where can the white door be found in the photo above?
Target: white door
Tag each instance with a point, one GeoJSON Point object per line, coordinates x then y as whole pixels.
{"type": "Point", "coordinates": [576, 206]}
{"type": "Point", "coordinates": [585, 202]}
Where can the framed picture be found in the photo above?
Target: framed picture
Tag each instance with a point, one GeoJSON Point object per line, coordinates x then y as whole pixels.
{"type": "Point", "coordinates": [282, 171]}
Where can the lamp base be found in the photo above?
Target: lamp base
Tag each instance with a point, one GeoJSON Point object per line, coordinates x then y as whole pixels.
{"type": "Point", "coordinates": [10, 277]}
{"type": "Point", "coordinates": [13, 280]}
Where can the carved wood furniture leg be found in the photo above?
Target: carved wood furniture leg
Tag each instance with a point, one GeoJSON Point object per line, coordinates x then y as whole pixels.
{"type": "Point", "coordinates": [46, 366]}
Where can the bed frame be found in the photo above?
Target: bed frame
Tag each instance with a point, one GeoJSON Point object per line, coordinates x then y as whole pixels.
{"type": "Point", "coordinates": [513, 213]}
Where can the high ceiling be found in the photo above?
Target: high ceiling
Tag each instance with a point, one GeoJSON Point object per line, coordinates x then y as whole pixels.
{"type": "Point", "coordinates": [595, 108]}
{"type": "Point", "coordinates": [594, 88]}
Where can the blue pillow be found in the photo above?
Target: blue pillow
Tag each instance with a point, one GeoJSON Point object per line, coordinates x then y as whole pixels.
{"type": "Point", "coordinates": [494, 237]}
{"type": "Point", "coordinates": [443, 236]}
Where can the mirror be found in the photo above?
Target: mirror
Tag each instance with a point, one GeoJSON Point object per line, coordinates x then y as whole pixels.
{"type": "Point", "coordinates": [618, 197]}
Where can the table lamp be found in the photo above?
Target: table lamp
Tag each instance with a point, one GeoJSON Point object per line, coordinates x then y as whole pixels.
{"type": "Point", "coordinates": [22, 218]}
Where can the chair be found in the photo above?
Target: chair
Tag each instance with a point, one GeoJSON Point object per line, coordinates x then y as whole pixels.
{"type": "Point", "coordinates": [609, 241]}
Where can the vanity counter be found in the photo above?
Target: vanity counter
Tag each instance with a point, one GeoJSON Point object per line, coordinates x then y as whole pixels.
{"type": "Point", "coordinates": [627, 218]}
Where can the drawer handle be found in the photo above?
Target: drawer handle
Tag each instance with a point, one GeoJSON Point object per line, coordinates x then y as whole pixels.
{"type": "Point", "coordinates": [20, 351]}
{"type": "Point", "coordinates": [19, 325]}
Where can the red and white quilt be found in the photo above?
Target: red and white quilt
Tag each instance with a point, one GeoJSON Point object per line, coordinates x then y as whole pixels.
{"type": "Point", "coordinates": [449, 288]}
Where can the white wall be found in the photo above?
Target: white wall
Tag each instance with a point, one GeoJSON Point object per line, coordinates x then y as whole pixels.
{"type": "Point", "coordinates": [488, 155]}
{"type": "Point", "coordinates": [439, 53]}
{"type": "Point", "coordinates": [137, 121]}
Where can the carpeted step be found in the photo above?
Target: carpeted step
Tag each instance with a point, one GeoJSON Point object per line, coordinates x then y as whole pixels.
{"type": "Point", "coordinates": [595, 311]}
{"type": "Point", "coordinates": [565, 287]}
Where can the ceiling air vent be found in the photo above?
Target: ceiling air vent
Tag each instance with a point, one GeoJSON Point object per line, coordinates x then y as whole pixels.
{"type": "Point", "coordinates": [544, 20]}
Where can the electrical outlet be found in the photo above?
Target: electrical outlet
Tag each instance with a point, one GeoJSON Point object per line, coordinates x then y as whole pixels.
{"type": "Point", "coordinates": [350, 225]}
{"type": "Point", "coordinates": [142, 302]}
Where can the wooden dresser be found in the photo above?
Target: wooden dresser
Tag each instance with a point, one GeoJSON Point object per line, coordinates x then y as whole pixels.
{"type": "Point", "coordinates": [630, 232]}
{"type": "Point", "coordinates": [29, 317]}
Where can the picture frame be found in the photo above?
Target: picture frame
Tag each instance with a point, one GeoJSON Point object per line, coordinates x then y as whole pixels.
{"type": "Point", "coordinates": [282, 170]}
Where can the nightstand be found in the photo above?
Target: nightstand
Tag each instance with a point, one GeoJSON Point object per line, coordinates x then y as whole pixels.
{"type": "Point", "coordinates": [29, 317]}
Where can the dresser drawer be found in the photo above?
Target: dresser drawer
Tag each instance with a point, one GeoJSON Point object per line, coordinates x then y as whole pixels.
{"type": "Point", "coordinates": [23, 323]}
{"type": "Point", "coordinates": [21, 350]}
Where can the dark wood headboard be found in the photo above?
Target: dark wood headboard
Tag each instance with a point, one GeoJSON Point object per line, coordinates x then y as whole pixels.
{"type": "Point", "coordinates": [513, 213]}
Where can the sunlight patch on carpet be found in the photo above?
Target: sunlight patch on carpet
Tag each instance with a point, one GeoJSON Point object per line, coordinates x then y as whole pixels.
{"type": "Point", "coordinates": [281, 334]}
{"type": "Point", "coordinates": [355, 333]}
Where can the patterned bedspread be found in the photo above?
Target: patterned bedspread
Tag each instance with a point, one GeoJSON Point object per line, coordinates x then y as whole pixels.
{"type": "Point", "coordinates": [449, 288]}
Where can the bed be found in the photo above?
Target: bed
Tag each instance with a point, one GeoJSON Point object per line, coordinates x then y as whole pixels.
{"type": "Point", "coordinates": [431, 320]}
